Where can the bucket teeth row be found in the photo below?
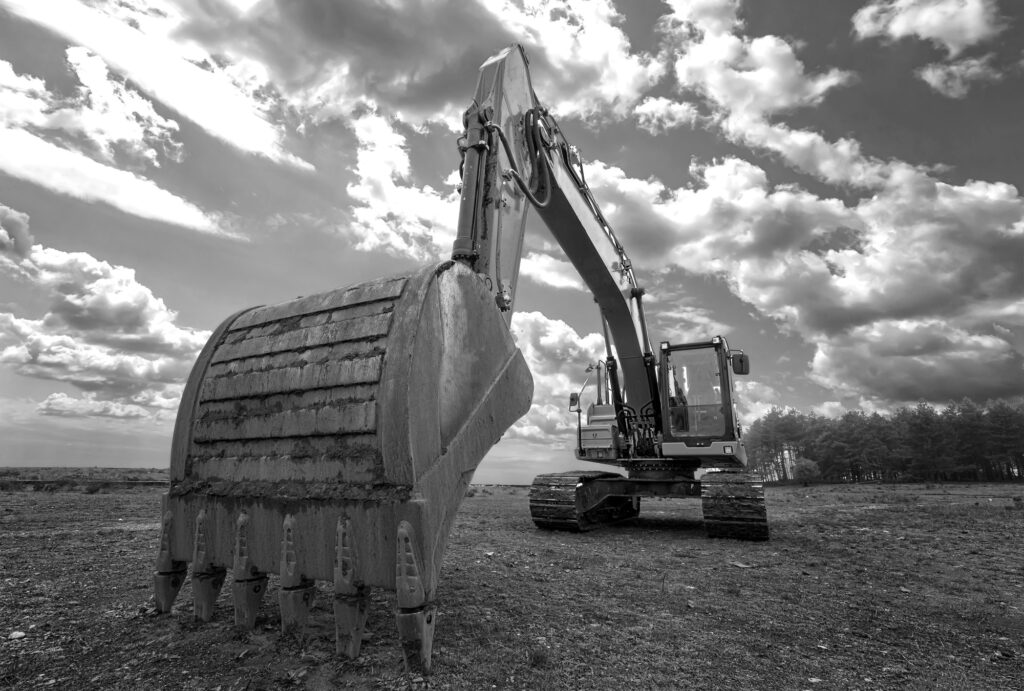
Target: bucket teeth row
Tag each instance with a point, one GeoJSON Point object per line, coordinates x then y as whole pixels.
{"type": "Point", "coordinates": [414, 618]}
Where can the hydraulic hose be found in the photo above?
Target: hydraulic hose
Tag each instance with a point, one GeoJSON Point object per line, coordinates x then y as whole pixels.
{"type": "Point", "coordinates": [538, 159]}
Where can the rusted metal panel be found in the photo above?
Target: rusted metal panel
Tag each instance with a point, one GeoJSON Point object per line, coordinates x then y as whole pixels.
{"type": "Point", "coordinates": [373, 291]}
{"type": "Point", "coordinates": [370, 327]}
{"type": "Point", "coordinates": [316, 375]}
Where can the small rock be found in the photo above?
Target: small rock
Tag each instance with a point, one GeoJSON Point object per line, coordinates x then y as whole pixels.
{"type": "Point", "coordinates": [16, 635]}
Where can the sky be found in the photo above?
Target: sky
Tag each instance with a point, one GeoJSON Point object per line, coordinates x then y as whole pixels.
{"type": "Point", "coordinates": [832, 186]}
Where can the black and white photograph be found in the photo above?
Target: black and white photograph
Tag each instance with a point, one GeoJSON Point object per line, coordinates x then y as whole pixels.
{"type": "Point", "coordinates": [511, 344]}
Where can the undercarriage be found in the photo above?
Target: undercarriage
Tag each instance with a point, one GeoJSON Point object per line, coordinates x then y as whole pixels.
{"type": "Point", "coordinates": [732, 502]}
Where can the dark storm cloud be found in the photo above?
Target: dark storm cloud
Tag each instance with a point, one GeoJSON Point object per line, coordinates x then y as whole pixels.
{"type": "Point", "coordinates": [924, 361]}
{"type": "Point", "coordinates": [421, 59]}
{"type": "Point", "coordinates": [416, 54]}
{"type": "Point", "coordinates": [422, 54]}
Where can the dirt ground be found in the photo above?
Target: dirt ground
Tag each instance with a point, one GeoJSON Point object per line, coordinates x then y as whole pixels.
{"type": "Point", "coordinates": [860, 587]}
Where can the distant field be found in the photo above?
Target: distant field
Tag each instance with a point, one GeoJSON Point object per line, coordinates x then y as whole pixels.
{"type": "Point", "coordinates": [83, 479]}
{"type": "Point", "coordinates": [860, 587]}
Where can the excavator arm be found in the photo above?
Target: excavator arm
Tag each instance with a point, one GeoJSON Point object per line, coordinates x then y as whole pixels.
{"type": "Point", "coordinates": [515, 160]}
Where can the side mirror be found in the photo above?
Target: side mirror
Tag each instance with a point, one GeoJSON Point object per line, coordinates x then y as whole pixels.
{"type": "Point", "coordinates": [574, 402]}
{"type": "Point", "coordinates": [740, 363]}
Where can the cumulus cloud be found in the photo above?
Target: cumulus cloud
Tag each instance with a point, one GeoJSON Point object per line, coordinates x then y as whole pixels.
{"type": "Point", "coordinates": [584, 61]}
{"type": "Point", "coordinates": [920, 251]}
{"type": "Point", "coordinates": [558, 357]}
{"type": "Point", "coordinates": [746, 83]}
{"type": "Point", "coordinates": [49, 349]}
{"type": "Point", "coordinates": [110, 119]}
{"type": "Point", "coordinates": [418, 62]}
{"type": "Point", "coordinates": [114, 118]}
{"type": "Point", "coordinates": [956, 78]}
{"type": "Point", "coordinates": [28, 157]}
{"type": "Point", "coordinates": [839, 162]}
{"type": "Point", "coordinates": [732, 214]}
{"type": "Point", "coordinates": [15, 238]}
{"type": "Point", "coordinates": [62, 405]}
{"type": "Point", "coordinates": [104, 333]}
{"type": "Point", "coordinates": [547, 270]}
{"type": "Point", "coordinates": [704, 16]}
{"type": "Point", "coordinates": [754, 399]}
{"type": "Point", "coordinates": [752, 77]}
{"type": "Point", "coordinates": [23, 99]}
{"type": "Point", "coordinates": [675, 316]}
{"type": "Point", "coordinates": [929, 258]}
{"type": "Point", "coordinates": [660, 114]}
{"type": "Point", "coordinates": [951, 24]}
{"type": "Point", "coordinates": [744, 76]}
{"type": "Point", "coordinates": [391, 212]}
{"type": "Point", "coordinates": [830, 409]}
{"type": "Point", "coordinates": [158, 66]}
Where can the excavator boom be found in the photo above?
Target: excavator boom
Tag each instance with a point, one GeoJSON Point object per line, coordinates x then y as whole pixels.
{"type": "Point", "coordinates": [516, 160]}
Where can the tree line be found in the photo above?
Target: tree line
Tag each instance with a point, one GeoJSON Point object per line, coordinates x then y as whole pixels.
{"type": "Point", "coordinates": [962, 442]}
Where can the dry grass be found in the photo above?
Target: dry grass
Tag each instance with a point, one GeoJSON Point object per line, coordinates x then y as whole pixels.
{"type": "Point", "coordinates": [865, 587]}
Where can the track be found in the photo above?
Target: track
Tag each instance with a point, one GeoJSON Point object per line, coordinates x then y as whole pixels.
{"type": "Point", "coordinates": [569, 501]}
{"type": "Point", "coordinates": [733, 506]}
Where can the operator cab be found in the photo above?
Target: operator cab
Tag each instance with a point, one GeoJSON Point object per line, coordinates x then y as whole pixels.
{"type": "Point", "coordinates": [697, 391]}
{"type": "Point", "coordinates": [695, 417]}
{"type": "Point", "coordinates": [696, 394]}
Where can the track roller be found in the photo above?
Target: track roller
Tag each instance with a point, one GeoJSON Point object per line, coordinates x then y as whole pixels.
{"type": "Point", "coordinates": [579, 501]}
{"type": "Point", "coordinates": [733, 506]}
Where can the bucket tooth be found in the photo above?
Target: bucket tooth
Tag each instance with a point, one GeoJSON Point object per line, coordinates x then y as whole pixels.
{"type": "Point", "coordinates": [297, 591]}
{"type": "Point", "coordinates": [351, 596]}
{"type": "Point", "coordinates": [170, 573]}
{"type": "Point", "coordinates": [207, 577]}
{"type": "Point", "coordinates": [415, 616]}
{"type": "Point", "coordinates": [249, 584]}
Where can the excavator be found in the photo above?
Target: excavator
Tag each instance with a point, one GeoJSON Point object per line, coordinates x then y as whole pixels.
{"type": "Point", "coordinates": [332, 437]}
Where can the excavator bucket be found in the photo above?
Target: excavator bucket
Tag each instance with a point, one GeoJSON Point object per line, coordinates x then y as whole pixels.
{"type": "Point", "coordinates": [332, 438]}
